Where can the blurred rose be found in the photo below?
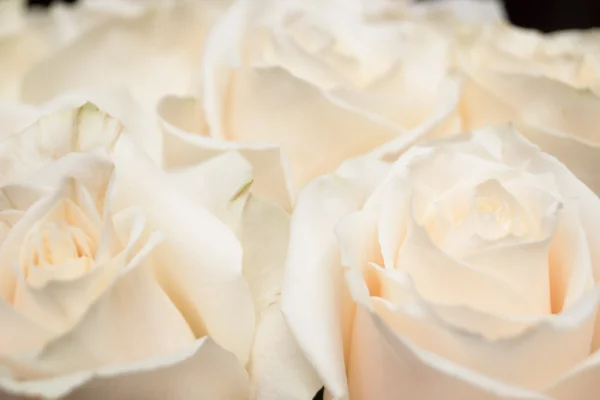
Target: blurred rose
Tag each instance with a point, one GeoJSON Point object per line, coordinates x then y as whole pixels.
{"type": "Point", "coordinates": [316, 83]}
{"type": "Point", "coordinates": [547, 85]}
{"type": "Point", "coordinates": [465, 269]}
{"type": "Point", "coordinates": [28, 37]}
{"type": "Point", "coordinates": [133, 50]}
{"type": "Point", "coordinates": [23, 42]}
{"type": "Point", "coordinates": [123, 281]}
{"type": "Point", "coordinates": [150, 50]}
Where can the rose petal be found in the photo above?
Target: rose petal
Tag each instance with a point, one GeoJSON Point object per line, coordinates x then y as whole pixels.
{"type": "Point", "coordinates": [405, 371]}
{"type": "Point", "coordinates": [203, 369]}
{"type": "Point", "coordinates": [199, 264]}
{"type": "Point", "coordinates": [504, 359]}
{"type": "Point", "coordinates": [278, 368]}
{"type": "Point", "coordinates": [317, 322]}
{"type": "Point", "coordinates": [118, 329]}
{"type": "Point", "coordinates": [14, 118]}
{"type": "Point", "coordinates": [587, 203]}
{"type": "Point", "coordinates": [579, 383]}
{"type": "Point", "coordinates": [560, 116]}
{"type": "Point", "coordinates": [293, 109]}
{"type": "Point", "coordinates": [153, 54]}
{"type": "Point", "coordinates": [445, 280]}
{"type": "Point", "coordinates": [579, 157]}
{"type": "Point", "coordinates": [18, 334]}
{"type": "Point", "coordinates": [216, 183]}
{"type": "Point", "coordinates": [182, 147]}
{"type": "Point", "coordinates": [265, 237]}
{"type": "Point", "coordinates": [54, 136]}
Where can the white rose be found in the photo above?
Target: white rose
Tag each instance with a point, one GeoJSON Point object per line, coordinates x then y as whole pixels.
{"type": "Point", "coordinates": [120, 280]}
{"type": "Point", "coordinates": [145, 50]}
{"type": "Point", "coordinates": [466, 268]}
{"type": "Point", "coordinates": [314, 83]}
{"type": "Point", "coordinates": [22, 44]}
{"type": "Point", "coordinates": [151, 51]}
{"type": "Point", "coordinates": [547, 85]}
{"type": "Point", "coordinates": [28, 36]}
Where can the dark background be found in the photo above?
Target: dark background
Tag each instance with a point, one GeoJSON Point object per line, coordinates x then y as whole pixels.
{"type": "Point", "coordinates": [545, 15]}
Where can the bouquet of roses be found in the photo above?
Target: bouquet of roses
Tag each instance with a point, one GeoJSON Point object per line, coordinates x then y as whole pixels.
{"type": "Point", "coordinates": [270, 199]}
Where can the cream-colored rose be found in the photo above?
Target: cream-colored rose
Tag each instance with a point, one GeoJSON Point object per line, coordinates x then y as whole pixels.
{"type": "Point", "coordinates": [466, 268]}
{"type": "Point", "coordinates": [124, 281]}
{"type": "Point", "coordinates": [314, 83]}
{"type": "Point", "coordinates": [547, 85]}
{"type": "Point", "coordinates": [151, 50]}
{"type": "Point", "coordinates": [23, 42]}
{"type": "Point", "coordinates": [27, 37]}
{"type": "Point", "coordinates": [146, 49]}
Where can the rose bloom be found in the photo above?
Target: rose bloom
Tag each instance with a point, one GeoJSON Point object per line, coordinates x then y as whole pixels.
{"type": "Point", "coordinates": [140, 50]}
{"type": "Point", "coordinates": [151, 48]}
{"type": "Point", "coordinates": [24, 41]}
{"type": "Point", "coordinates": [547, 85]}
{"type": "Point", "coordinates": [29, 36]}
{"type": "Point", "coordinates": [465, 268]}
{"type": "Point", "coordinates": [121, 280]}
{"type": "Point", "coordinates": [316, 82]}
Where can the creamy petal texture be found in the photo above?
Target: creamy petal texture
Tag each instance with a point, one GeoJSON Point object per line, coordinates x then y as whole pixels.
{"type": "Point", "coordinates": [133, 47]}
{"type": "Point", "coordinates": [116, 271]}
{"type": "Point", "coordinates": [203, 284]}
{"type": "Point", "coordinates": [279, 369]}
{"type": "Point", "coordinates": [186, 141]}
{"type": "Point", "coordinates": [470, 259]}
{"type": "Point", "coordinates": [202, 369]}
{"type": "Point", "coordinates": [546, 84]}
{"type": "Point", "coordinates": [298, 88]}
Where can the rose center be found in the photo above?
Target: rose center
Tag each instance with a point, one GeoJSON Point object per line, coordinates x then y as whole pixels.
{"type": "Point", "coordinates": [58, 242]}
{"type": "Point", "coordinates": [496, 218]}
{"type": "Point", "coordinates": [57, 250]}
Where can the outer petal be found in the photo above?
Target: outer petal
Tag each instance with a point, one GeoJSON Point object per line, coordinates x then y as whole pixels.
{"type": "Point", "coordinates": [203, 370]}
{"type": "Point", "coordinates": [21, 333]}
{"type": "Point", "coordinates": [312, 290]}
{"type": "Point", "coordinates": [272, 106]}
{"type": "Point", "coordinates": [200, 262]}
{"type": "Point", "coordinates": [186, 141]}
{"type": "Point", "coordinates": [118, 329]}
{"type": "Point", "coordinates": [265, 231]}
{"type": "Point", "coordinates": [278, 368]}
{"type": "Point", "coordinates": [420, 323]}
{"type": "Point", "coordinates": [580, 157]}
{"type": "Point", "coordinates": [239, 99]}
{"type": "Point", "coordinates": [580, 383]}
{"type": "Point", "coordinates": [19, 52]}
{"type": "Point", "coordinates": [562, 118]}
{"type": "Point", "coordinates": [14, 118]}
{"type": "Point", "coordinates": [152, 53]}
{"type": "Point", "coordinates": [384, 366]}
{"type": "Point", "coordinates": [217, 183]}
